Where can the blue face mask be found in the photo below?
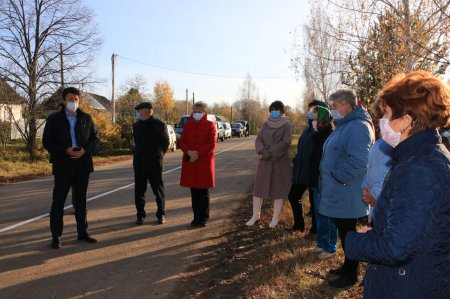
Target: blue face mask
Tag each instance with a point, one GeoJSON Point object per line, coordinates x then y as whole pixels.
{"type": "Point", "coordinates": [137, 115]}
{"type": "Point", "coordinates": [310, 115]}
{"type": "Point", "coordinates": [275, 114]}
{"type": "Point", "coordinates": [336, 115]}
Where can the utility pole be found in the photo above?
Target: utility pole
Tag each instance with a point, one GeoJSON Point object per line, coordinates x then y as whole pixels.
{"type": "Point", "coordinates": [193, 99]}
{"type": "Point", "coordinates": [187, 92]}
{"type": "Point", "coordinates": [113, 101]}
{"type": "Point", "coordinates": [62, 66]}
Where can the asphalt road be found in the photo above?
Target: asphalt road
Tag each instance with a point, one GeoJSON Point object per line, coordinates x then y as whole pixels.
{"type": "Point", "coordinates": [128, 261]}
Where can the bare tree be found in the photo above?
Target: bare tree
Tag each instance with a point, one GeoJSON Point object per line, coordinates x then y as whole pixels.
{"type": "Point", "coordinates": [320, 57]}
{"type": "Point", "coordinates": [249, 107]}
{"type": "Point", "coordinates": [31, 33]}
{"type": "Point", "coordinates": [138, 83]}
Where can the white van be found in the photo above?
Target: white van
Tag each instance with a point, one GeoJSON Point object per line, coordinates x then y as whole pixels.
{"type": "Point", "coordinates": [185, 118]}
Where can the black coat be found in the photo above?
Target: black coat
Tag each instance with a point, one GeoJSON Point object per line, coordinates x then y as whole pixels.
{"type": "Point", "coordinates": [319, 139]}
{"type": "Point", "coordinates": [57, 139]}
{"type": "Point", "coordinates": [302, 161]}
{"type": "Point", "coordinates": [151, 141]}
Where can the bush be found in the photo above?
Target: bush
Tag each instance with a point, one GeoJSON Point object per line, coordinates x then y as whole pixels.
{"type": "Point", "coordinates": [109, 133]}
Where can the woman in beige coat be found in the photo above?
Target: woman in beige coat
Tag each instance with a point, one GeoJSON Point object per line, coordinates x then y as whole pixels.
{"type": "Point", "coordinates": [273, 176]}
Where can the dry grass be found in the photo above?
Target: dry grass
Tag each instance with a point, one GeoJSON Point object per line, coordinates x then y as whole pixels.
{"type": "Point", "coordinates": [15, 164]}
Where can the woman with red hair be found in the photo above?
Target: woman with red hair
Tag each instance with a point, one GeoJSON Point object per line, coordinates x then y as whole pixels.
{"type": "Point", "coordinates": [409, 245]}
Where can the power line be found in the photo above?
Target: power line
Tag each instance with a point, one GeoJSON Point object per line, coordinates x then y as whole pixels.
{"type": "Point", "coordinates": [202, 74]}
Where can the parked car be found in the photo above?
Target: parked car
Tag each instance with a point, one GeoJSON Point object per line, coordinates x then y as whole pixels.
{"type": "Point", "coordinates": [237, 130]}
{"type": "Point", "coordinates": [185, 118]}
{"type": "Point", "coordinates": [227, 128]}
{"type": "Point", "coordinates": [172, 138]}
{"type": "Point", "coordinates": [245, 124]}
{"type": "Point", "coordinates": [220, 131]}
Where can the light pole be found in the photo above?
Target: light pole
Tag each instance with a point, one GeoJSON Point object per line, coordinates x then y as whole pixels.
{"type": "Point", "coordinates": [187, 91]}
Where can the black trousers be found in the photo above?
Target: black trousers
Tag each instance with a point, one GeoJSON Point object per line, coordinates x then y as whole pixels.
{"type": "Point", "coordinates": [140, 187]}
{"type": "Point", "coordinates": [345, 225]}
{"type": "Point", "coordinates": [79, 184]}
{"type": "Point", "coordinates": [295, 199]}
{"type": "Point", "coordinates": [200, 204]}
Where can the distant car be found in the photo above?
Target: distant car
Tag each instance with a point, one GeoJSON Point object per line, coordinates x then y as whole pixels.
{"type": "Point", "coordinates": [220, 131]}
{"type": "Point", "coordinates": [172, 138]}
{"type": "Point", "coordinates": [237, 130]}
{"type": "Point", "coordinates": [185, 118]}
{"type": "Point", "coordinates": [227, 128]}
{"type": "Point", "coordinates": [245, 124]}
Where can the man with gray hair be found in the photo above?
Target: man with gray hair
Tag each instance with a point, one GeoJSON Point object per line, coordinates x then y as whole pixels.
{"type": "Point", "coordinates": [342, 170]}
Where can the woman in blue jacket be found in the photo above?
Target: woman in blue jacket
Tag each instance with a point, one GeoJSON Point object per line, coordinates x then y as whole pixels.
{"type": "Point", "coordinates": [408, 249]}
{"type": "Point", "coordinates": [342, 170]}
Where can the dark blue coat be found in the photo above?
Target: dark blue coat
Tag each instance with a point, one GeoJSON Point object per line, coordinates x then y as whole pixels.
{"type": "Point", "coordinates": [301, 173]}
{"type": "Point", "coordinates": [409, 249]}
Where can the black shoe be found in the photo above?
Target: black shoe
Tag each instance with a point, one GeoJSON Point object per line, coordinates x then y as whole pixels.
{"type": "Point", "coordinates": [344, 281]}
{"type": "Point", "coordinates": [87, 238]}
{"type": "Point", "coordinates": [199, 223]}
{"type": "Point", "coordinates": [339, 271]}
{"type": "Point", "coordinates": [56, 242]}
{"type": "Point", "coordinates": [139, 221]}
{"type": "Point", "coordinates": [162, 220]}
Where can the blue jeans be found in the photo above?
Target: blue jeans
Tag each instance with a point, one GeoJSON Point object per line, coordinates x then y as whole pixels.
{"type": "Point", "coordinates": [326, 228]}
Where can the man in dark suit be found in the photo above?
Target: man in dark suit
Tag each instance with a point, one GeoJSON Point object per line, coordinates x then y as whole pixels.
{"type": "Point", "coordinates": [151, 143]}
{"type": "Point", "coordinates": [70, 137]}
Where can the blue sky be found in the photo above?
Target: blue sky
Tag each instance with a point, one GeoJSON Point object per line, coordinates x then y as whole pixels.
{"type": "Point", "coordinates": [224, 38]}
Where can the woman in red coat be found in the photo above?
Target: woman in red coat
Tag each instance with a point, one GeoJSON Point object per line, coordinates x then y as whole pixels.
{"type": "Point", "coordinates": [198, 143]}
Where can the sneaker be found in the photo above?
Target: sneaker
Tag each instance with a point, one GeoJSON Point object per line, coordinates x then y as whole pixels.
{"type": "Point", "coordinates": [56, 242]}
{"type": "Point", "coordinates": [162, 220]}
{"type": "Point", "coordinates": [316, 249]}
{"type": "Point", "coordinates": [325, 255]}
{"type": "Point", "coordinates": [139, 221]}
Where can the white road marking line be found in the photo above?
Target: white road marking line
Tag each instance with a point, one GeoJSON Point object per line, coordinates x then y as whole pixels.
{"type": "Point", "coordinates": [103, 194]}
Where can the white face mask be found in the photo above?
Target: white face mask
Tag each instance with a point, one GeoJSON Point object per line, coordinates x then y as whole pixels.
{"type": "Point", "coordinates": [390, 136]}
{"type": "Point", "coordinates": [336, 115]}
{"type": "Point", "coordinates": [71, 106]}
{"type": "Point", "coordinates": [198, 115]}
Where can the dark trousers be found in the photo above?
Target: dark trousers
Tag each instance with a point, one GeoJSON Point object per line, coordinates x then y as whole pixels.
{"type": "Point", "coordinates": [200, 204]}
{"type": "Point", "coordinates": [79, 184]}
{"type": "Point", "coordinates": [345, 225]}
{"type": "Point", "coordinates": [295, 199]}
{"type": "Point", "coordinates": [140, 187]}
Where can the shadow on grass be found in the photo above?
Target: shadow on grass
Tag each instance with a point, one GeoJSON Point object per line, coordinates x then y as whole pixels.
{"type": "Point", "coordinates": [258, 262]}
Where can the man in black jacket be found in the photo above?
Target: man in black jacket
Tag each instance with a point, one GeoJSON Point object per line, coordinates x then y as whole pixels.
{"type": "Point", "coordinates": [70, 137]}
{"type": "Point", "coordinates": [151, 141]}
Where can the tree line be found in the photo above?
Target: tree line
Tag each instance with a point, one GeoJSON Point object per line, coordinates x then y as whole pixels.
{"type": "Point", "coordinates": [362, 44]}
